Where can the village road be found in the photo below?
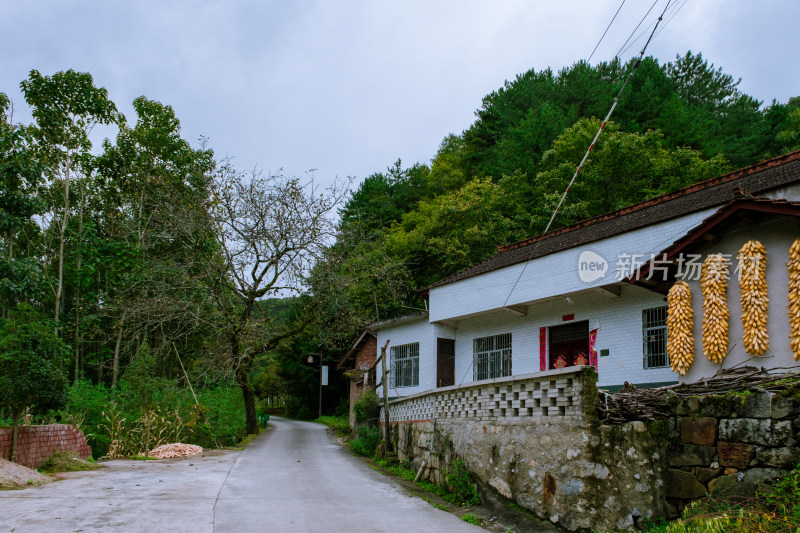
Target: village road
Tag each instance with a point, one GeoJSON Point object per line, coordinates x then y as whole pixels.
{"type": "Point", "coordinates": [293, 477]}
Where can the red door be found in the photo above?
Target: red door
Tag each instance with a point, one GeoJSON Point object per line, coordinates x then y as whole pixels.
{"type": "Point", "coordinates": [569, 345]}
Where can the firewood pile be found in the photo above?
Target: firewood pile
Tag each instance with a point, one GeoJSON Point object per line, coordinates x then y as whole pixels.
{"type": "Point", "coordinates": [652, 404]}
{"type": "Point", "coordinates": [169, 451]}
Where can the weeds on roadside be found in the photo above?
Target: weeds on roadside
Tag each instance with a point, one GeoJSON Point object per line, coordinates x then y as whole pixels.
{"type": "Point", "coordinates": [774, 509]}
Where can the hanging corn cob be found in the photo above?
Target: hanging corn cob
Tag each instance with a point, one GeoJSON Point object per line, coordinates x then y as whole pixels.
{"type": "Point", "coordinates": [680, 321]}
{"type": "Point", "coordinates": [714, 285]}
{"type": "Point", "coordinates": [794, 298]}
{"type": "Point", "coordinates": [753, 296]}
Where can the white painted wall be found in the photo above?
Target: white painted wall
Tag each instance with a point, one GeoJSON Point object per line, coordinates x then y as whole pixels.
{"type": "Point", "coordinates": [425, 334]}
{"type": "Point", "coordinates": [553, 274]}
{"type": "Point", "coordinates": [618, 321]}
{"type": "Point", "coordinates": [777, 237]}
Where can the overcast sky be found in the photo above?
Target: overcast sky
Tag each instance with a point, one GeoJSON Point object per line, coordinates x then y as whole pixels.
{"type": "Point", "coordinates": [348, 87]}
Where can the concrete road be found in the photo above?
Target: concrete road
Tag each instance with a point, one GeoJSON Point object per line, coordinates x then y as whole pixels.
{"type": "Point", "coordinates": [293, 477]}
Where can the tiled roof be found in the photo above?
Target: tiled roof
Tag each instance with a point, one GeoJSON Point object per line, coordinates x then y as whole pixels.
{"type": "Point", "coordinates": [726, 215]}
{"type": "Point", "coordinates": [771, 174]}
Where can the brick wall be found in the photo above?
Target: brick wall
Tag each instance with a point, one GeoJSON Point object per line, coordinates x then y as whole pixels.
{"type": "Point", "coordinates": [366, 354]}
{"type": "Point", "coordinates": [517, 398]}
{"type": "Point", "coordinates": [36, 444]}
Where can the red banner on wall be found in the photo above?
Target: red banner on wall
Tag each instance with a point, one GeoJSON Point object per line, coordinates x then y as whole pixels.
{"type": "Point", "coordinates": [542, 349]}
{"type": "Point", "coordinates": [592, 351]}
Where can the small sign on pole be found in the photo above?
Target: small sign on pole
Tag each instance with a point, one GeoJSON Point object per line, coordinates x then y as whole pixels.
{"type": "Point", "coordinates": [325, 375]}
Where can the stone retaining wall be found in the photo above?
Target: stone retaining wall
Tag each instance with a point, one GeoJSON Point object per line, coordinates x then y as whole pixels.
{"type": "Point", "coordinates": [36, 444]}
{"type": "Point", "coordinates": [730, 443]}
{"type": "Point", "coordinates": [564, 466]}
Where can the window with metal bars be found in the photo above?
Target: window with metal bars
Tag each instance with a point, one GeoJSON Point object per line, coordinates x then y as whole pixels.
{"type": "Point", "coordinates": [654, 333]}
{"type": "Point", "coordinates": [405, 365]}
{"type": "Point", "coordinates": [491, 357]}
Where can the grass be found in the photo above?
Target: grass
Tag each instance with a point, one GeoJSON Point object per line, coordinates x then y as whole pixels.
{"type": "Point", "coordinates": [340, 423]}
{"type": "Point", "coordinates": [409, 475]}
{"type": "Point", "coordinates": [471, 518]}
{"type": "Point", "coordinates": [775, 508]}
{"type": "Point", "coordinates": [245, 441]}
{"type": "Point", "coordinates": [66, 461]}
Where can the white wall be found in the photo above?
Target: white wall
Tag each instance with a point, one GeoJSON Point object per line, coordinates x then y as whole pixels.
{"type": "Point", "coordinates": [777, 237]}
{"type": "Point", "coordinates": [425, 334]}
{"type": "Point", "coordinates": [618, 321]}
{"type": "Point", "coordinates": [552, 274]}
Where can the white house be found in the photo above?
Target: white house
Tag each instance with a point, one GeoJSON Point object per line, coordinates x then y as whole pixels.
{"type": "Point", "coordinates": [594, 293]}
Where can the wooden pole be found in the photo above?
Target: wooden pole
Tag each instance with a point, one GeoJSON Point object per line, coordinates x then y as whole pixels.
{"type": "Point", "coordinates": [385, 383]}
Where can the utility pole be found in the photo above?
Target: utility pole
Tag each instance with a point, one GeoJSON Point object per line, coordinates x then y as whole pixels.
{"type": "Point", "coordinates": [385, 383]}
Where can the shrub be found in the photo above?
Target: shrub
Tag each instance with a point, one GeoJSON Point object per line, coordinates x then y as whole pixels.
{"type": "Point", "coordinates": [366, 442]}
{"type": "Point", "coordinates": [462, 490]}
{"type": "Point", "coordinates": [367, 408]}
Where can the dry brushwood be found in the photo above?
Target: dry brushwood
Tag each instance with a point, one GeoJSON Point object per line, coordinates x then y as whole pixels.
{"type": "Point", "coordinates": [714, 286]}
{"type": "Point", "coordinates": [680, 321]}
{"type": "Point", "coordinates": [753, 297]}
{"type": "Point", "coordinates": [654, 404]}
{"type": "Point", "coordinates": [794, 298]}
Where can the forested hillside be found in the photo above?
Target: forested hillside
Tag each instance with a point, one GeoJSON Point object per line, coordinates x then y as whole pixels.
{"type": "Point", "coordinates": [500, 179]}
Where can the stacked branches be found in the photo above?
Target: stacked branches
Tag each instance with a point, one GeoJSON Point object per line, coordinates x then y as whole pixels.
{"type": "Point", "coordinates": [714, 286]}
{"type": "Point", "coordinates": [654, 404]}
{"type": "Point", "coordinates": [680, 321]}
{"type": "Point", "coordinates": [753, 296]}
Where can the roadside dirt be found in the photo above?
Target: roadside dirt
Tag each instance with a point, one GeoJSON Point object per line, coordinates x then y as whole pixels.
{"type": "Point", "coordinates": [14, 476]}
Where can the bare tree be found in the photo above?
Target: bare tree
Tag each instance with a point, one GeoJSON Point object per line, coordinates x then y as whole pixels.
{"type": "Point", "coordinates": [271, 229]}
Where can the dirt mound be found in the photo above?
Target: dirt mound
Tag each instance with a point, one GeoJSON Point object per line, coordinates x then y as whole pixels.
{"type": "Point", "coordinates": [168, 451]}
{"type": "Point", "coordinates": [14, 476]}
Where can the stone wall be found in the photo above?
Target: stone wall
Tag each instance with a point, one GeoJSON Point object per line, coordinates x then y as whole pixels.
{"type": "Point", "coordinates": [538, 441]}
{"type": "Point", "coordinates": [36, 444]}
{"type": "Point", "coordinates": [730, 443]}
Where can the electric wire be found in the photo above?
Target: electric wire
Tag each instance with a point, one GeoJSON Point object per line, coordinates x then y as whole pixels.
{"type": "Point", "coordinates": [604, 33]}
{"type": "Point", "coordinates": [675, 8]}
{"type": "Point", "coordinates": [636, 28]}
{"type": "Point", "coordinates": [585, 156]}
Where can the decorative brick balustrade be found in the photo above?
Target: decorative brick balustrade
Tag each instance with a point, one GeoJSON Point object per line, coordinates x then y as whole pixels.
{"type": "Point", "coordinates": [556, 393]}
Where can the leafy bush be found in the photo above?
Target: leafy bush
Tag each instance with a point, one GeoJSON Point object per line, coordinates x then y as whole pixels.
{"type": "Point", "coordinates": [367, 408]}
{"type": "Point", "coordinates": [224, 408]}
{"type": "Point", "coordinates": [462, 490]}
{"type": "Point", "coordinates": [366, 442]}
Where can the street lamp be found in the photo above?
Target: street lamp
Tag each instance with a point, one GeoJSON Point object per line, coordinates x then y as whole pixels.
{"type": "Point", "coordinates": [311, 361]}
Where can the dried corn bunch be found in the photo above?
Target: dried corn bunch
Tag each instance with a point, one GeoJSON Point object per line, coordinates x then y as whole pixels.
{"type": "Point", "coordinates": [714, 285]}
{"type": "Point", "coordinates": [794, 298]}
{"type": "Point", "coordinates": [753, 296]}
{"type": "Point", "coordinates": [680, 321]}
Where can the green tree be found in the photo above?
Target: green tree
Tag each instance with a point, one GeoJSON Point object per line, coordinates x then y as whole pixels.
{"type": "Point", "coordinates": [66, 106]}
{"type": "Point", "coordinates": [21, 276]}
{"type": "Point", "coordinates": [624, 168]}
{"type": "Point", "coordinates": [32, 360]}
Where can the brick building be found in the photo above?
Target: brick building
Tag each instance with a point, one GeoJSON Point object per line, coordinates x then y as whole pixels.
{"type": "Point", "coordinates": [359, 362]}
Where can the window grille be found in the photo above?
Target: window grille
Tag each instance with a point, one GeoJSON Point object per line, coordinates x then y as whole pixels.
{"type": "Point", "coordinates": [405, 365]}
{"type": "Point", "coordinates": [654, 333]}
{"type": "Point", "coordinates": [491, 357]}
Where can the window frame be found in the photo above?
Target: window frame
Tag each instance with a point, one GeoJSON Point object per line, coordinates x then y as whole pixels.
{"type": "Point", "coordinates": [654, 322]}
{"type": "Point", "coordinates": [404, 365]}
{"type": "Point", "coordinates": [491, 357]}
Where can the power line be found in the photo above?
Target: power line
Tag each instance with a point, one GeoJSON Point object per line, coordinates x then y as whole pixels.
{"type": "Point", "coordinates": [637, 27]}
{"type": "Point", "coordinates": [607, 28]}
{"type": "Point", "coordinates": [588, 151]}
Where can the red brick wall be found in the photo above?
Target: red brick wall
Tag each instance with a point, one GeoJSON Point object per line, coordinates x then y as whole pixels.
{"type": "Point", "coordinates": [367, 354]}
{"type": "Point", "coordinates": [36, 444]}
